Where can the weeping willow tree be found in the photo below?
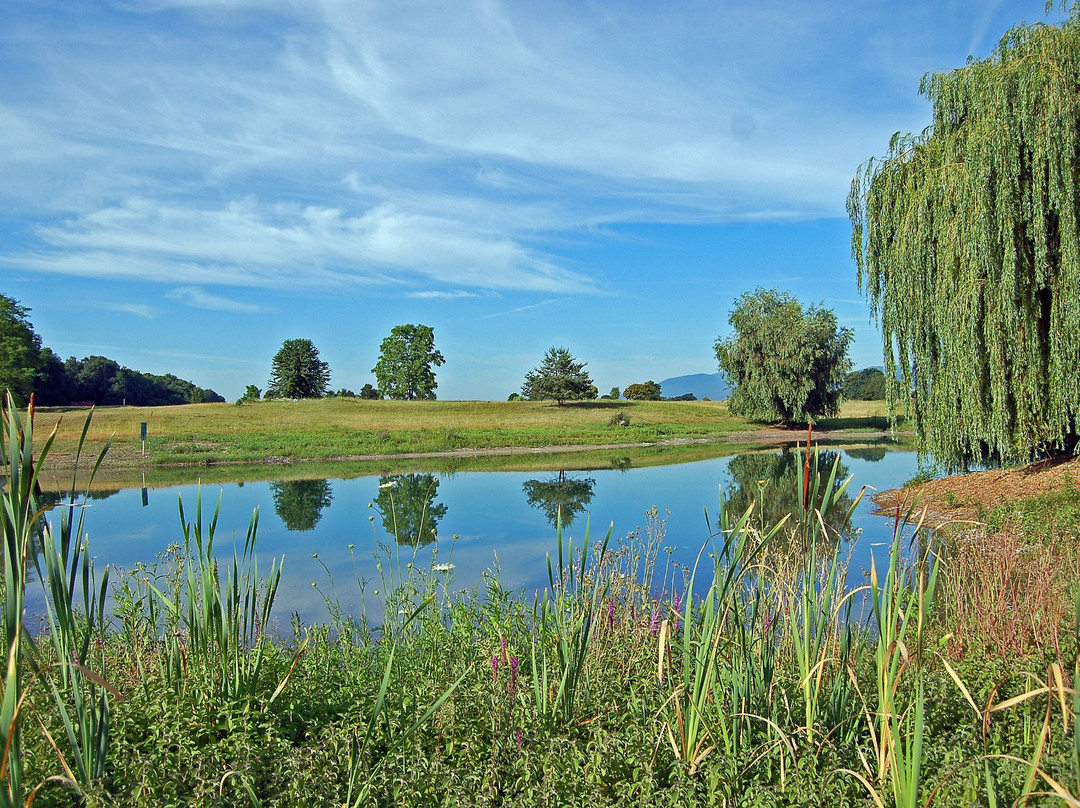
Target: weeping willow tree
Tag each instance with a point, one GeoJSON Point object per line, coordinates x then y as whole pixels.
{"type": "Point", "coordinates": [967, 244]}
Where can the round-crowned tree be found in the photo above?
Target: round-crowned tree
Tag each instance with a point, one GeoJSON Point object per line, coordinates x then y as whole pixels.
{"type": "Point", "coordinates": [297, 372]}
{"type": "Point", "coordinates": [784, 363]}
{"type": "Point", "coordinates": [406, 358]}
{"type": "Point", "coordinates": [867, 384]}
{"type": "Point", "coordinates": [643, 391]}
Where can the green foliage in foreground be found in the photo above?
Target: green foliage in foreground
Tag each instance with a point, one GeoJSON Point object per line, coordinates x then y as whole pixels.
{"type": "Point", "coordinates": [624, 682]}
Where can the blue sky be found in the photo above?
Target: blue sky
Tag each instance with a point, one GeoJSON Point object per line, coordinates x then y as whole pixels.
{"type": "Point", "coordinates": [188, 184]}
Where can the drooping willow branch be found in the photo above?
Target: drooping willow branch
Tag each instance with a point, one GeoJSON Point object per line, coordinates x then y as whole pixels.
{"type": "Point", "coordinates": [967, 243]}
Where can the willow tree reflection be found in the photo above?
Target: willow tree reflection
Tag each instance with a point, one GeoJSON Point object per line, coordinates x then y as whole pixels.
{"type": "Point", "coordinates": [300, 503]}
{"type": "Point", "coordinates": [407, 504]}
{"type": "Point", "coordinates": [871, 453]}
{"type": "Point", "coordinates": [775, 481]}
{"type": "Point", "coordinates": [563, 492]}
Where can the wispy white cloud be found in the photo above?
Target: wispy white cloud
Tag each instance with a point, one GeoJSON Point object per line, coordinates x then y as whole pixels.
{"type": "Point", "coordinates": [248, 244]}
{"type": "Point", "coordinates": [520, 309]}
{"type": "Point", "coordinates": [199, 298]}
{"type": "Point", "coordinates": [437, 295]}
{"type": "Point", "coordinates": [138, 309]}
{"type": "Point", "coordinates": [164, 140]}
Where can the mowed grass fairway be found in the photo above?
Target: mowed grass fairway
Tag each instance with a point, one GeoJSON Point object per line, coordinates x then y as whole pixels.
{"type": "Point", "coordinates": [342, 428]}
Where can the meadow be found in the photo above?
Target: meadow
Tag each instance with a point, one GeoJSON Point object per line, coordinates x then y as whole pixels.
{"type": "Point", "coordinates": [345, 428]}
{"type": "Point", "coordinates": [766, 674]}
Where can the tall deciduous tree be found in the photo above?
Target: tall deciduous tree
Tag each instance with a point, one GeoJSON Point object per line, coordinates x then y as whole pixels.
{"type": "Point", "coordinates": [53, 386]}
{"type": "Point", "coordinates": [297, 372]}
{"type": "Point", "coordinates": [559, 378]}
{"type": "Point", "coordinates": [94, 378]}
{"type": "Point", "coordinates": [967, 244]}
{"type": "Point", "coordinates": [783, 362]}
{"type": "Point", "coordinates": [406, 358]}
{"type": "Point", "coordinates": [20, 349]}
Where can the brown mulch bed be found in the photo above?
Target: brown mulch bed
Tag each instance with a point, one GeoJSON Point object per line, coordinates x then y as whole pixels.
{"type": "Point", "coordinates": [959, 498]}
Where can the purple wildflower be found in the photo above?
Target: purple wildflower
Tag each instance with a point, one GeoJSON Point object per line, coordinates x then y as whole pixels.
{"type": "Point", "coordinates": [513, 675]}
{"type": "Point", "coordinates": [520, 738]}
{"type": "Point", "coordinates": [654, 621]}
{"type": "Point", "coordinates": [495, 667]}
{"type": "Point", "coordinates": [767, 623]}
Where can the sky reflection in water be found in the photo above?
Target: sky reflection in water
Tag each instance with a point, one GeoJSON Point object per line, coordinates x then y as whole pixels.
{"type": "Point", "coordinates": [495, 515]}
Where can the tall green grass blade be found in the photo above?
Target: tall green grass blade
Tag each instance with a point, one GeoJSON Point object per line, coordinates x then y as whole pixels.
{"type": "Point", "coordinates": [566, 616]}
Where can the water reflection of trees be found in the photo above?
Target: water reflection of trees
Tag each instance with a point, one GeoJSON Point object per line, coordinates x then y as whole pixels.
{"type": "Point", "coordinates": [300, 503]}
{"type": "Point", "coordinates": [410, 512]}
{"type": "Point", "coordinates": [871, 453]}
{"type": "Point", "coordinates": [49, 498]}
{"type": "Point", "coordinates": [775, 482]}
{"type": "Point", "coordinates": [562, 492]}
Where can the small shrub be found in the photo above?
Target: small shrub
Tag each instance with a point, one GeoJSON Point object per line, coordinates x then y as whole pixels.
{"type": "Point", "coordinates": [251, 393]}
{"type": "Point", "coordinates": [619, 419]}
{"type": "Point", "coordinates": [647, 391]}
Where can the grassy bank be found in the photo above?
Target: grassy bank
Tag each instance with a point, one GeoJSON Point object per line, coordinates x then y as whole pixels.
{"type": "Point", "coordinates": [328, 429]}
{"type": "Point", "coordinates": [764, 676]}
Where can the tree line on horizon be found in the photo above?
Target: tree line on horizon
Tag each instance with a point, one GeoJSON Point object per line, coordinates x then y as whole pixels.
{"type": "Point", "coordinates": [404, 371]}
{"type": "Point", "coordinates": [27, 367]}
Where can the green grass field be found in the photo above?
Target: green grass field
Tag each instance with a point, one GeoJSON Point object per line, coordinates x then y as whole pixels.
{"type": "Point", "coordinates": [334, 428]}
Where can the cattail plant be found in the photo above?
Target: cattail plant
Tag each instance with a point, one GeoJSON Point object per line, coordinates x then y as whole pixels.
{"type": "Point", "coordinates": [218, 619]}
{"type": "Point", "coordinates": [700, 663]}
{"type": "Point", "coordinates": [565, 617]}
{"type": "Point", "coordinates": [75, 623]}
{"type": "Point", "coordinates": [80, 695]}
{"type": "Point", "coordinates": [20, 525]}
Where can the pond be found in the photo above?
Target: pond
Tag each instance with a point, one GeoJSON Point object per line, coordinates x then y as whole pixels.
{"type": "Point", "coordinates": [477, 521]}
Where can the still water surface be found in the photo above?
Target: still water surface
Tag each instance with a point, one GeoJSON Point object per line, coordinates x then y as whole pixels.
{"type": "Point", "coordinates": [501, 520]}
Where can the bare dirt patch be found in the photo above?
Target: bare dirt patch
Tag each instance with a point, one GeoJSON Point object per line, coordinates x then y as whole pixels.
{"type": "Point", "coordinates": [961, 496]}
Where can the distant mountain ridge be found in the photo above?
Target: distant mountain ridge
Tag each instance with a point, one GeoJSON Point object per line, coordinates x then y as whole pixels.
{"type": "Point", "coordinates": [703, 385]}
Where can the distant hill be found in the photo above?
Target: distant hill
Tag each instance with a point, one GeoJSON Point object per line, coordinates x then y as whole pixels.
{"type": "Point", "coordinates": [702, 385]}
